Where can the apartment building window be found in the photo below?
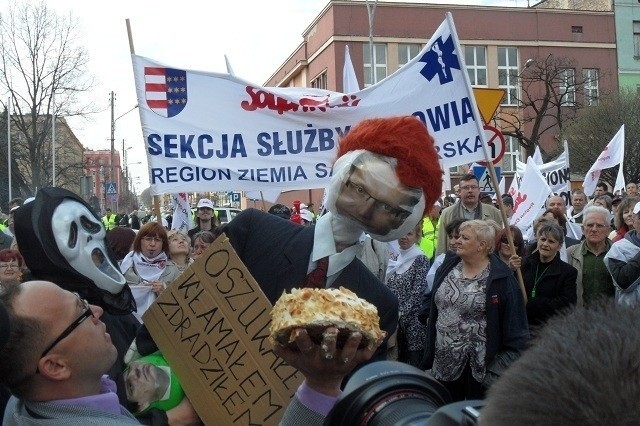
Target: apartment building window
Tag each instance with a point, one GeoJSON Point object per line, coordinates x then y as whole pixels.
{"type": "Point", "coordinates": [407, 52]}
{"type": "Point", "coordinates": [636, 39]}
{"type": "Point", "coordinates": [511, 154]}
{"type": "Point", "coordinates": [591, 93]}
{"type": "Point", "coordinates": [508, 74]}
{"type": "Point", "coordinates": [475, 58]}
{"type": "Point", "coordinates": [568, 86]}
{"type": "Point", "coordinates": [374, 74]}
{"type": "Point", "coordinates": [320, 81]}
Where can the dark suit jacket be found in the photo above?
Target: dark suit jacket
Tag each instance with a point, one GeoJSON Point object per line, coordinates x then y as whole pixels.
{"type": "Point", "coordinates": [277, 251]}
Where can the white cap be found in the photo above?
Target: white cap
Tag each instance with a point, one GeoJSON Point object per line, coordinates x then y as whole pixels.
{"type": "Point", "coordinates": [303, 206]}
{"type": "Point", "coordinates": [636, 209]}
{"type": "Point", "coordinates": [205, 202]}
{"type": "Point", "coordinates": [306, 215]}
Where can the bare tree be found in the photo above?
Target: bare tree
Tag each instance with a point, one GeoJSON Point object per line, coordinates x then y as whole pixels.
{"type": "Point", "coordinates": [42, 63]}
{"type": "Point", "coordinates": [547, 101]}
{"type": "Point", "coordinates": [146, 197]}
{"type": "Point", "coordinates": [593, 129]}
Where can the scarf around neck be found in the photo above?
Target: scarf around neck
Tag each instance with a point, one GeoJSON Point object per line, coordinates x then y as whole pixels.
{"type": "Point", "coordinates": [405, 260]}
{"type": "Point", "coordinates": [148, 269]}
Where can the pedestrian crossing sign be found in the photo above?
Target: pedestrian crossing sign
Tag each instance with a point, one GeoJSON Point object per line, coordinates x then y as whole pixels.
{"type": "Point", "coordinates": [111, 188]}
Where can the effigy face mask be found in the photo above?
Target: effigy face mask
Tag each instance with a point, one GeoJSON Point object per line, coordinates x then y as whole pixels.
{"type": "Point", "coordinates": [365, 190]}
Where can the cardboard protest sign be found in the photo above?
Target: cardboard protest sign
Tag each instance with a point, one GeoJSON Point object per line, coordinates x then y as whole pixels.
{"type": "Point", "coordinates": [212, 325]}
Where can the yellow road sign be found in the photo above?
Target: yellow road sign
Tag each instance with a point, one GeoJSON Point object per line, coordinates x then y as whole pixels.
{"type": "Point", "coordinates": [488, 101]}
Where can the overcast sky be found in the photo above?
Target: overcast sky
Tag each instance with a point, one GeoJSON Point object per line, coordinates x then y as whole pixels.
{"type": "Point", "coordinates": [256, 35]}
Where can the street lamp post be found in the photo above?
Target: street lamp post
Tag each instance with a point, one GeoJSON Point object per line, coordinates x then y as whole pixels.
{"type": "Point", "coordinates": [9, 146]}
{"type": "Point", "coordinates": [53, 140]}
{"type": "Point", "coordinates": [113, 131]}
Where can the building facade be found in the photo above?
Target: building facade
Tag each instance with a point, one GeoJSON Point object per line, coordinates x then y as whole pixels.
{"type": "Point", "coordinates": [98, 188]}
{"type": "Point", "coordinates": [32, 158]}
{"type": "Point", "coordinates": [627, 13]}
{"type": "Point", "coordinates": [498, 43]}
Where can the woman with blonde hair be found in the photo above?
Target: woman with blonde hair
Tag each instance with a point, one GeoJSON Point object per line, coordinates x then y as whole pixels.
{"type": "Point", "coordinates": [477, 320]}
{"type": "Point", "coordinates": [179, 250]}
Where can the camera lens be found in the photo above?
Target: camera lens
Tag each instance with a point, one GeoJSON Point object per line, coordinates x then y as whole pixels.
{"type": "Point", "coordinates": [388, 393]}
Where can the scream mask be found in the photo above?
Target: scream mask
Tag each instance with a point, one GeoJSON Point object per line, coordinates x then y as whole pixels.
{"type": "Point", "coordinates": [63, 240]}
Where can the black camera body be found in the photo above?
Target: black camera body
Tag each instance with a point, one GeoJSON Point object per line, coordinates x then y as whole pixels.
{"type": "Point", "coordinates": [393, 393]}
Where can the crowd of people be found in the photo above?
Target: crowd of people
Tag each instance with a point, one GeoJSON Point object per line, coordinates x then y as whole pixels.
{"type": "Point", "coordinates": [455, 298]}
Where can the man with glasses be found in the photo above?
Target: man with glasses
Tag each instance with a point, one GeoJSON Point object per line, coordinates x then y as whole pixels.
{"type": "Point", "coordinates": [55, 362]}
{"type": "Point", "coordinates": [468, 207]}
{"type": "Point", "coordinates": [55, 359]}
{"type": "Point", "coordinates": [587, 257]}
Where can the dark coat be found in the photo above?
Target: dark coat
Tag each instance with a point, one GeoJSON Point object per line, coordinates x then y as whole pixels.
{"type": "Point", "coordinates": [277, 252]}
{"type": "Point", "coordinates": [555, 290]}
{"type": "Point", "coordinates": [507, 328]}
{"type": "Point", "coordinates": [134, 221]}
{"type": "Point", "coordinates": [5, 241]}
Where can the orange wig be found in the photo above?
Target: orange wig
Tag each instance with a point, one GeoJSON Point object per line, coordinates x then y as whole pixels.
{"type": "Point", "coordinates": [406, 139]}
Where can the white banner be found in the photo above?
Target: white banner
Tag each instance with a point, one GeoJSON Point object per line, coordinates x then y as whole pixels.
{"type": "Point", "coordinates": [556, 173]}
{"type": "Point", "coordinates": [612, 155]}
{"type": "Point", "coordinates": [209, 131]}
{"type": "Point", "coordinates": [530, 198]}
{"type": "Point", "coordinates": [181, 212]}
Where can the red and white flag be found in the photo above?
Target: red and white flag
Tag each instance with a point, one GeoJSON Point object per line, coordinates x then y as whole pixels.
{"type": "Point", "coordinates": [612, 155]}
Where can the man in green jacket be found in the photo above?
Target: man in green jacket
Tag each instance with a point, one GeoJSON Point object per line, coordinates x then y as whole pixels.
{"type": "Point", "coordinates": [109, 220]}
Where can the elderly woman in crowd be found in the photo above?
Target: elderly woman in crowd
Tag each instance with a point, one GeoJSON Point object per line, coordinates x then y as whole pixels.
{"type": "Point", "coordinates": [201, 241]}
{"type": "Point", "coordinates": [623, 263]}
{"type": "Point", "coordinates": [550, 282]}
{"type": "Point", "coordinates": [477, 320]}
{"type": "Point", "coordinates": [623, 219]}
{"type": "Point", "coordinates": [11, 267]}
{"type": "Point", "coordinates": [145, 267]}
{"type": "Point", "coordinates": [179, 250]}
{"type": "Point", "coordinates": [407, 279]}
